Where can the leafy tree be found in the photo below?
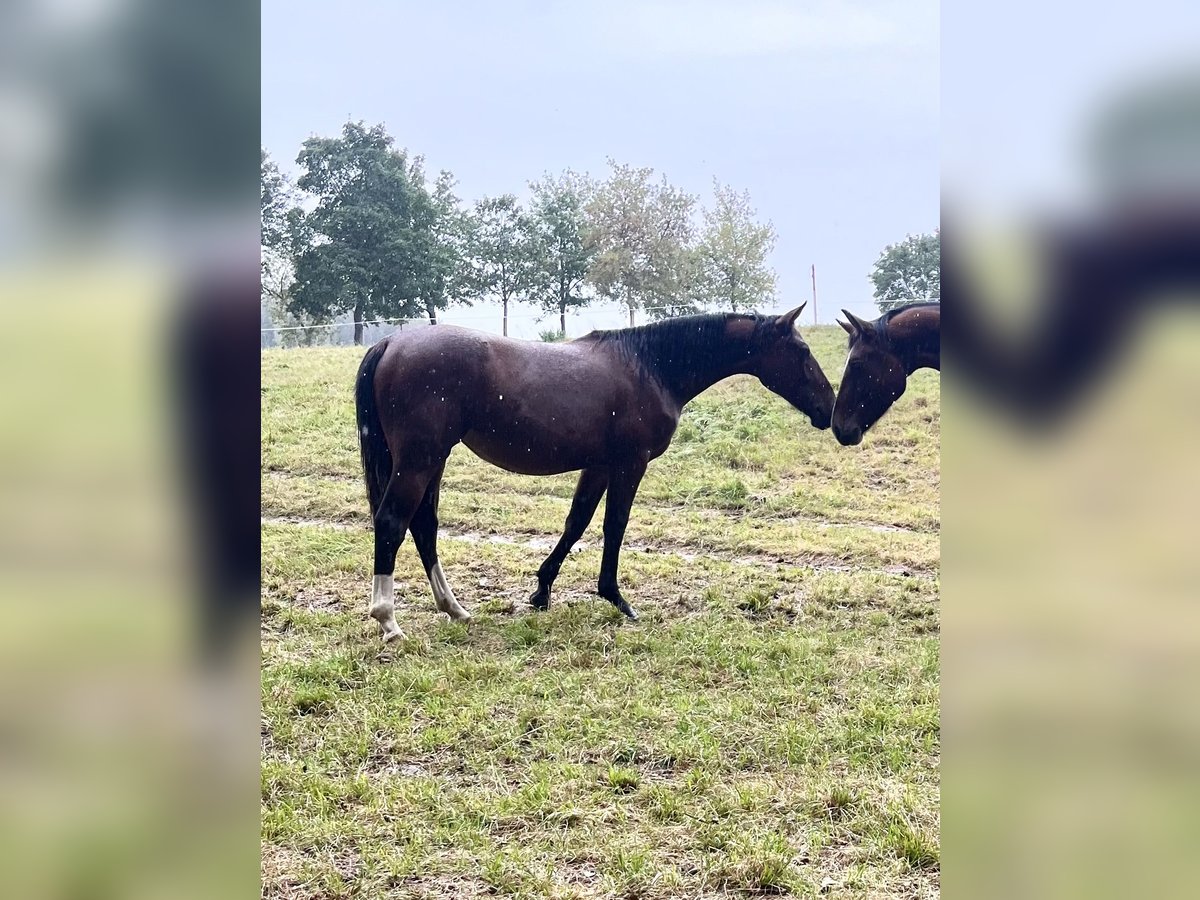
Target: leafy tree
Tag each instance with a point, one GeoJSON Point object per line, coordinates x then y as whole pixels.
{"type": "Point", "coordinates": [642, 231]}
{"type": "Point", "coordinates": [502, 252]}
{"type": "Point", "coordinates": [732, 254]}
{"type": "Point", "coordinates": [367, 245]}
{"type": "Point", "coordinates": [278, 197]}
{"type": "Point", "coordinates": [442, 238]}
{"type": "Point", "coordinates": [561, 251]}
{"type": "Point", "coordinates": [684, 297]}
{"type": "Point", "coordinates": [675, 264]}
{"type": "Point", "coordinates": [281, 237]}
{"type": "Point", "coordinates": [909, 271]}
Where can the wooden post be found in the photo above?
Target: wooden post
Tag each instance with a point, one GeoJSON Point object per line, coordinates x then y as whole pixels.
{"type": "Point", "coordinates": [814, 281]}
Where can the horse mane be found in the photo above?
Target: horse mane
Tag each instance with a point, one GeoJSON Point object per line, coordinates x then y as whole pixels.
{"type": "Point", "coordinates": [668, 349]}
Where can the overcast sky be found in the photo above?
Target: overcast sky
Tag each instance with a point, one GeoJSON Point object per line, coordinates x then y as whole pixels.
{"type": "Point", "coordinates": [827, 112]}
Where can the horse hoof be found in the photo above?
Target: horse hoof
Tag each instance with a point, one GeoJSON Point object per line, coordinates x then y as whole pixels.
{"type": "Point", "coordinates": [390, 634]}
{"type": "Point", "coordinates": [540, 599]}
{"type": "Point", "coordinates": [454, 612]}
{"type": "Point", "coordinates": [628, 610]}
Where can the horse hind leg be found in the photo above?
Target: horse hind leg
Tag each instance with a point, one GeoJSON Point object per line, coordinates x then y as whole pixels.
{"type": "Point", "coordinates": [424, 527]}
{"type": "Point", "coordinates": [392, 519]}
{"type": "Point", "coordinates": [382, 608]}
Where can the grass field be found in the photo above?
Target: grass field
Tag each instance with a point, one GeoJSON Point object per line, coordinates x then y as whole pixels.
{"type": "Point", "coordinates": [770, 726]}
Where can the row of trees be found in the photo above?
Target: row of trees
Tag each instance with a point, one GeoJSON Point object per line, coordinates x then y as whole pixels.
{"type": "Point", "coordinates": [365, 230]}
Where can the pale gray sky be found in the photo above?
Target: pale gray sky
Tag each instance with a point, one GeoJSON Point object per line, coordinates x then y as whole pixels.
{"type": "Point", "coordinates": [1018, 119]}
{"type": "Point", "coordinates": [827, 112]}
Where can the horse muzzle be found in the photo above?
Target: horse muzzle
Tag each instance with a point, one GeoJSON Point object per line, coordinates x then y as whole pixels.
{"type": "Point", "coordinates": [848, 436]}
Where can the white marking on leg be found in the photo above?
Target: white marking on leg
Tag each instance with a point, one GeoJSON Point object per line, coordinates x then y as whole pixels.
{"type": "Point", "coordinates": [383, 607]}
{"type": "Point", "coordinates": [443, 596]}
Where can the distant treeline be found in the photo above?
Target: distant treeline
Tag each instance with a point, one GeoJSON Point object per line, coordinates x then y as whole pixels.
{"type": "Point", "coordinates": [366, 234]}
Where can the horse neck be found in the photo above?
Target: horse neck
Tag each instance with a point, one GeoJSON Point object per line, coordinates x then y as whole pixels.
{"type": "Point", "coordinates": [916, 338]}
{"type": "Point", "coordinates": [716, 359]}
{"type": "Point", "coordinates": [705, 377]}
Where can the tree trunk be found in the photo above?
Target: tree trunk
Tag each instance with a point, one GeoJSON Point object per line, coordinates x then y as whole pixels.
{"type": "Point", "coordinates": [431, 311]}
{"type": "Point", "coordinates": [630, 315]}
{"type": "Point", "coordinates": [505, 301]}
{"type": "Point", "coordinates": [358, 324]}
{"type": "Point", "coordinates": [562, 319]}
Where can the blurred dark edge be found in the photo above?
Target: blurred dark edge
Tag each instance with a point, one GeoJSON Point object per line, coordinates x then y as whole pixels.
{"type": "Point", "coordinates": [1070, 627]}
{"type": "Point", "coordinates": [129, 171]}
{"type": "Point", "coordinates": [215, 337]}
{"type": "Point", "coordinates": [157, 105]}
{"type": "Point", "coordinates": [1104, 278]}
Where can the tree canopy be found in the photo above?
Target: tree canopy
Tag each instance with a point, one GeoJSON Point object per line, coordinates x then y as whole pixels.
{"type": "Point", "coordinates": [365, 232]}
{"type": "Point", "coordinates": [732, 254]}
{"type": "Point", "coordinates": [502, 252]}
{"type": "Point", "coordinates": [378, 241]}
{"type": "Point", "coordinates": [641, 230]}
{"type": "Point", "coordinates": [562, 248]}
{"type": "Point", "coordinates": [909, 271]}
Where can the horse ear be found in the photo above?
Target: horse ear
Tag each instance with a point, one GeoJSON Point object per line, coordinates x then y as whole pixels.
{"type": "Point", "coordinates": [849, 329]}
{"type": "Point", "coordinates": [862, 327]}
{"type": "Point", "coordinates": [788, 319]}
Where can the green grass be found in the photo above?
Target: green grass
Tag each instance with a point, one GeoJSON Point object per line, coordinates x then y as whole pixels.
{"type": "Point", "coordinates": [770, 726]}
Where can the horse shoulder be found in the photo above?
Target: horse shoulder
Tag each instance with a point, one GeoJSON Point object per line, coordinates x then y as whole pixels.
{"type": "Point", "coordinates": [655, 416]}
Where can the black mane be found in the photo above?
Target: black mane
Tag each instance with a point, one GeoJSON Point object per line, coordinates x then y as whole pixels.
{"type": "Point", "coordinates": [669, 349]}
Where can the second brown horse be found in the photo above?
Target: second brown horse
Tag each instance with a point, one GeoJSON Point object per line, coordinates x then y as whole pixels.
{"type": "Point", "coordinates": [606, 404]}
{"type": "Point", "coordinates": [883, 353]}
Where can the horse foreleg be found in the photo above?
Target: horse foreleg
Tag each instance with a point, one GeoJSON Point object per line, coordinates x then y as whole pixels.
{"type": "Point", "coordinates": [400, 502]}
{"type": "Point", "coordinates": [588, 492]}
{"type": "Point", "coordinates": [622, 488]}
{"type": "Point", "coordinates": [424, 527]}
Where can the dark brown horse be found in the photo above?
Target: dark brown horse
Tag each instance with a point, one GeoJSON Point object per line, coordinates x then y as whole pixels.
{"type": "Point", "coordinates": [883, 353]}
{"type": "Point", "coordinates": [607, 403]}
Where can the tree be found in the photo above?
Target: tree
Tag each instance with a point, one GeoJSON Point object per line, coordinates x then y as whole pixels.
{"type": "Point", "coordinates": [367, 244]}
{"type": "Point", "coordinates": [280, 240]}
{"type": "Point", "coordinates": [502, 251]}
{"type": "Point", "coordinates": [561, 251]}
{"type": "Point", "coordinates": [674, 262]}
{"type": "Point", "coordinates": [642, 231]}
{"type": "Point", "coordinates": [277, 200]}
{"type": "Point", "coordinates": [442, 238]}
{"type": "Point", "coordinates": [909, 271]}
{"type": "Point", "coordinates": [685, 295]}
{"type": "Point", "coordinates": [732, 254]}
{"type": "Point", "coordinates": [278, 197]}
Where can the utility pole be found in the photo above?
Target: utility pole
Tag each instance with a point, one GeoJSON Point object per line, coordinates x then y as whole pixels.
{"type": "Point", "coordinates": [814, 281]}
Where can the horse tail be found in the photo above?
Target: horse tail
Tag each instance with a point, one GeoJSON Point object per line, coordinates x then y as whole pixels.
{"type": "Point", "coordinates": [376, 458]}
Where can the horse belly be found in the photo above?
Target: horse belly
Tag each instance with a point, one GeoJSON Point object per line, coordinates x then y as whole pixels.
{"type": "Point", "coordinates": [528, 451]}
